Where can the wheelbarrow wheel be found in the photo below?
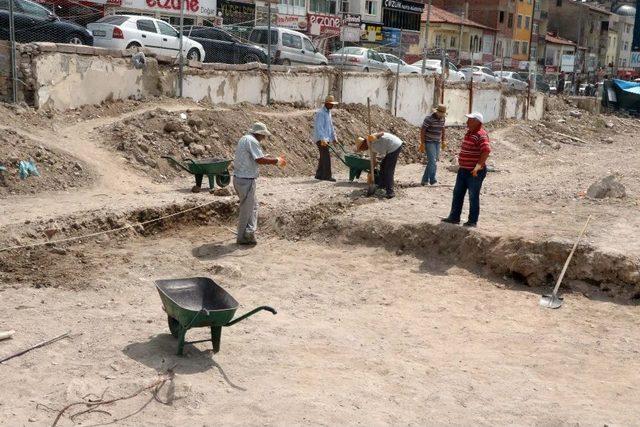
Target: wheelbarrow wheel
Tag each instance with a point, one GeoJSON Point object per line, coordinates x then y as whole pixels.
{"type": "Point", "coordinates": [174, 326]}
{"type": "Point", "coordinates": [224, 179]}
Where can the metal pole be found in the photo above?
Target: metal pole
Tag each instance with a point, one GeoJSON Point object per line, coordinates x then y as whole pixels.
{"type": "Point", "coordinates": [533, 15]}
{"type": "Point", "coordinates": [14, 66]}
{"type": "Point", "coordinates": [268, 52]}
{"type": "Point", "coordinates": [426, 38]}
{"type": "Point", "coordinates": [181, 65]}
{"type": "Point", "coordinates": [395, 107]}
{"type": "Point", "coordinates": [343, 53]}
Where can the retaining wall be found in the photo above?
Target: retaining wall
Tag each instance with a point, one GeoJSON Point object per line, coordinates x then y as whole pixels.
{"type": "Point", "coordinates": [67, 76]}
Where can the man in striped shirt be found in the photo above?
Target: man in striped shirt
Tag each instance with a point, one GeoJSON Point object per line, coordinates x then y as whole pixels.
{"type": "Point", "coordinates": [472, 159]}
{"type": "Point", "coordinates": [431, 136]}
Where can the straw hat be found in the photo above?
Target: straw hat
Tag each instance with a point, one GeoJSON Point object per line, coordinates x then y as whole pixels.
{"type": "Point", "coordinates": [361, 144]}
{"type": "Point", "coordinates": [330, 100]}
{"type": "Point", "coordinates": [259, 128]}
{"type": "Point", "coordinates": [441, 108]}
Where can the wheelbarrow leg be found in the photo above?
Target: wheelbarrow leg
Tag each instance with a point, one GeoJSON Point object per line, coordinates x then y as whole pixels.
{"type": "Point", "coordinates": [196, 189]}
{"type": "Point", "coordinates": [181, 335]}
{"type": "Point", "coordinates": [212, 179]}
{"type": "Point", "coordinates": [216, 333]}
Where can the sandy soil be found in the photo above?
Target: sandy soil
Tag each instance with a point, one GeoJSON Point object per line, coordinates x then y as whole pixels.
{"type": "Point", "coordinates": [368, 332]}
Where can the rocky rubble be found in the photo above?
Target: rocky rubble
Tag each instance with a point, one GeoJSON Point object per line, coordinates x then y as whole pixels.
{"type": "Point", "coordinates": [58, 171]}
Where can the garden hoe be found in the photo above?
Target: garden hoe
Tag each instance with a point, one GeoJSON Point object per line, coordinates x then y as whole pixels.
{"type": "Point", "coordinates": [553, 300]}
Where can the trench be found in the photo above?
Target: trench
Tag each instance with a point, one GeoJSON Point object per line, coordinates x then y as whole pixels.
{"type": "Point", "coordinates": [534, 264]}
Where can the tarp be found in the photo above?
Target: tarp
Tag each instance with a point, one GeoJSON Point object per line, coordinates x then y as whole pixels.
{"type": "Point", "coordinates": [627, 94]}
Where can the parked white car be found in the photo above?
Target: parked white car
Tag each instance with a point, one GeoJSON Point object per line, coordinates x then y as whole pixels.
{"type": "Point", "coordinates": [288, 47]}
{"type": "Point", "coordinates": [512, 79]}
{"type": "Point", "coordinates": [128, 31]}
{"type": "Point", "coordinates": [393, 62]}
{"type": "Point", "coordinates": [352, 58]}
{"type": "Point", "coordinates": [480, 74]}
{"type": "Point", "coordinates": [434, 66]}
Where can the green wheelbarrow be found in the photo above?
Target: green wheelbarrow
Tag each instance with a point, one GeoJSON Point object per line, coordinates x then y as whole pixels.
{"type": "Point", "coordinates": [199, 302]}
{"type": "Point", "coordinates": [217, 170]}
{"type": "Point", "coordinates": [355, 162]}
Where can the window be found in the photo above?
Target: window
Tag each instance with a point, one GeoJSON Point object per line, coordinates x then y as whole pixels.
{"type": "Point", "coordinates": [527, 22]}
{"type": "Point", "coordinates": [453, 41]}
{"type": "Point", "coordinates": [499, 48]}
{"type": "Point", "coordinates": [626, 45]}
{"type": "Point", "coordinates": [111, 19]}
{"type": "Point", "coordinates": [344, 6]}
{"type": "Point", "coordinates": [371, 7]}
{"type": "Point", "coordinates": [501, 16]}
{"type": "Point", "coordinates": [32, 9]}
{"type": "Point", "coordinates": [146, 25]}
{"type": "Point", "coordinates": [260, 37]}
{"type": "Point", "coordinates": [167, 30]}
{"type": "Point", "coordinates": [516, 48]}
{"type": "Point", "coordinates": [559, 3]}
{"type": "Point", "coordinates": [519, 21]}
{"type": "Point", "coordinates": [308, 45]}
{"type": "Point", "coordinates": [438, 40]}
{"type": "Point", "coordinates": [4, 4]}
{"type": "Point", "coordinates": [323, 6]}
{"type": "Point", "coordinates": [291, 40]}
{"type": "Point", "coordinates": [536, 28]}
{"type": "Point", "coordinates": [392, 59]}
{"type": "Point", "coordinates": [510, 22]}
{"type": "Point", "coordinates": [372, 54]}
{"type": "Point", "coordinates": [400, 19]}
{"type": "Point", "coordinates": [525, 48]}
{"type": "Point", "coordinates": [175, 20]}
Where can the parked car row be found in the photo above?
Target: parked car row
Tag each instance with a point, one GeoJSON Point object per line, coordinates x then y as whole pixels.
{"type": "Point", "coordinates": [34, 22]}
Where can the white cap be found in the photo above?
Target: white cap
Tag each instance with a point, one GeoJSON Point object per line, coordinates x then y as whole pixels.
{"type": "Point", "coordinates": [475, 115]}
{"type": "Point", "coordinates": [259, 128]}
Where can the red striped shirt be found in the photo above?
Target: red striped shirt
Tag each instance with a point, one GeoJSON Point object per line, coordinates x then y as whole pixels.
{"type": "Point", "coordinates": [474, 144]}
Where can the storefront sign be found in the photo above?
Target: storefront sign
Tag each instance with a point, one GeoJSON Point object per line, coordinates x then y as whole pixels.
{"type": "Point", "coordinates": [635, 60]}
{"type": "Point", "coordinates": [403, 5]}
{"type": "Point", "coordinates": [326, 25]}
{"type": "Point", "coordinates": [351, 20]}
{"type": "Point", "coordinates": [372, 33]}
{"type": "Point", "coordinates": [234, 13]}
{"type": "Point", "coordinates": [262, 12]}
{"type": "Point", "coordinates": [391, 37]}
{"type": "Point", "coordinates": [294, 22]}
{"type": "Point", "coordinates": [350, 34]}
{"type": "Point", "coordinates": [191, 7]}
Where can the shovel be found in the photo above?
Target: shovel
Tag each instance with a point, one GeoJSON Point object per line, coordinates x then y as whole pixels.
{"type": "Point", "coordinates": [553, 300]}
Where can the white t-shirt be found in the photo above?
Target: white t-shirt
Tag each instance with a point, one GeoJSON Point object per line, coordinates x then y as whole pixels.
{"type": "Point", "coordinates": [386, 144]}
{"type": "Point", "coordinates": [244, 163]}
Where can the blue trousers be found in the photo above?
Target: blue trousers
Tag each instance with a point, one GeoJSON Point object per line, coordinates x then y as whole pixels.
{"type": "Point", "coordinates": [465, 181]}
{"type": "Point", "coordinates": [433, 152]}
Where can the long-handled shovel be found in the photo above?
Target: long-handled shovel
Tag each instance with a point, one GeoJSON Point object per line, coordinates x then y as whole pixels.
{"type": "Point", "coordinates": [371, 177]}
{"type": "Point", "coordinates": [553, 300]}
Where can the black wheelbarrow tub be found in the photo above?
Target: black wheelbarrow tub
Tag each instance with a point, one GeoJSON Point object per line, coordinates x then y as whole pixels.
{"type": "Point", "coordinates": [184, 299]}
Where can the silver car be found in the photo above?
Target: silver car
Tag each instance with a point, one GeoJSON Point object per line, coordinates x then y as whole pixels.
{"type": "Point", "coordinates": [480, 74]}
{"type": "Point", "coordinates": [512, 80]}
{"type": "Point", "coordinates": [288, 47]}
{"type": "Point", "coordinates": [393, 63]}
{"type": "Point", "coordinates": [358, 59]}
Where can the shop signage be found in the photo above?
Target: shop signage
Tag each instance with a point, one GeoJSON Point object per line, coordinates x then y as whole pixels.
{"type": "Point", "coordinates": [191, 7]}
{"type": "Point", "coordinates": [294, 22]}
{"type": "Point", "coordinates": [391, 36]}
{"type": "Point", "coordinates": [403, 5]}
{"type": "Point", "coordinates": [372, 33]}
{"type": "Point", "coordinates": [635, 60]}
{"type": "Point", "coordinates": [351, 20]}
{"type": "Point", "coordinates": [234, 13]}
{"type": "Point", "coordinates": [324, 24]}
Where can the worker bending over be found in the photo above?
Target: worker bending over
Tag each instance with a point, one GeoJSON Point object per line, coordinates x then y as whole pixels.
{"type": "Point", "coordinates": [389, 147]}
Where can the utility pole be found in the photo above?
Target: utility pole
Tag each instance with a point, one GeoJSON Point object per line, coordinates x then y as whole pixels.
{"type": "Point", "coordinates": [181, 56]}
{"type": "Point", "coordinates": [426, 37]}
{"type": "Point", "coordinates": [532, 64]}
{"type": "Point", "coordinates": [395, 108]}
{"type": "Point", "coordinates": [268, 52]}
{"type": "Point", "coordinates": [14, 66]}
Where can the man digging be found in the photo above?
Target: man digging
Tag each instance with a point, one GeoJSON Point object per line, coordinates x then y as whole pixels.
{"type": "Point", "coordinates": [389, 146]}
{"type": "Point", "coordinates": [472, 159]}
{"type": "Point", "coordinates": [323, 134]}
{"type": "Point", "coordinates": [245, 172]}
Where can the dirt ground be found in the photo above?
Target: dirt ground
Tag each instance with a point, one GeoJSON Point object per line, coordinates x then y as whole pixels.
{"type": "Point", "coordinates": [385, 316]}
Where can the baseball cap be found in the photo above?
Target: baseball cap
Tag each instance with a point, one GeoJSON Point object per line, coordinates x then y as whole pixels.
{"type": "Point", "coordinates": [475, 115]}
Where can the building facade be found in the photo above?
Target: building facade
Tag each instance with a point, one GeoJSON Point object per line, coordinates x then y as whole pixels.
{"type": "Point", "coordinates": [522, 30]}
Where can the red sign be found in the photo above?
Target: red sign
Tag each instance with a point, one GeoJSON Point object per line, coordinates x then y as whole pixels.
{"type": "Point", "coordinates": [192, 6]}
{"type": "Point", "coordinates": [324, 24]}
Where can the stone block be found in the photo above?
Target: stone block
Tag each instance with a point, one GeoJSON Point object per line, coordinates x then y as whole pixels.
{"type": "Point", "coordinates": [85, 50]}
{"type": "Point", "coordinates": [46, 47]}
{"type": "Point", "coordinates": [67, 48]}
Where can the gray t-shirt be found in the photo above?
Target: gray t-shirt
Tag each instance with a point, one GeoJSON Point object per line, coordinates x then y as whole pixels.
{"type": "Point", "coordinates": [244, 164]}
{"type": "Point", "coordinates": [386, 144]}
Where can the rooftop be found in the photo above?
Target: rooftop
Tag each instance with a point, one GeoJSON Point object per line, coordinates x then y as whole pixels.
{"type": "Point", "coordinates": [552, 38]}
{"type": "Point", "coordinates": [441, 16]}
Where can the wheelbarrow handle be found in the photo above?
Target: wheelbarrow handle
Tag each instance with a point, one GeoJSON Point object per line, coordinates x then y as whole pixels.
{"type": "Point", "coordinates": [251, 313]}
{"type": "Point", "coordinates": [177, 163]}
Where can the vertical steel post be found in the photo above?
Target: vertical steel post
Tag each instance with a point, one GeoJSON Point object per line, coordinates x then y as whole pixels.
{"type": "Point", "coordinates": [14, 62]}
{"type": "Point", "coordinates": [426, 38]}
{"type": "Point", "coordinates": [268, 52]}
{"type": "Point", "coordinates": [181, 55]}
{"type": "Point", "coordinates": [395, 107]}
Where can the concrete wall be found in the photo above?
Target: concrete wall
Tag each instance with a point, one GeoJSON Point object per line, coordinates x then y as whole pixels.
{"type": "Point", "coordinates": [66, 81]}
{"type": "Point", "coordinates": [63, 80]}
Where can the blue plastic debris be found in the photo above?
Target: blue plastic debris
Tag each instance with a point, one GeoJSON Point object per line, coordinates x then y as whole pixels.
{"type": "Point", "coordinates": [27, 168]}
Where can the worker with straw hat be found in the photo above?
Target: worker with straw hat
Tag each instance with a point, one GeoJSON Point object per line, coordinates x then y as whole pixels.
{"type": "Point", "coordinates": [245, 172]}
{"type": "Point", "coordinates": [389, 147]}
{"type": "Point", "coordinates": [431, 138]}
{"type": "Point", "coordinates": [323, 134]}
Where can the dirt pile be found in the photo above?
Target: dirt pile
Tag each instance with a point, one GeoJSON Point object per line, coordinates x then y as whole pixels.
{"type": "Point", "coordinates": [58, 171]}
{"type": "Point", "coordinates": [143, 140]}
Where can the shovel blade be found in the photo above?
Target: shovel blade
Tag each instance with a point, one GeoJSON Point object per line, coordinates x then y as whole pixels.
{"type": "Point", "coordinates": [551, 301]}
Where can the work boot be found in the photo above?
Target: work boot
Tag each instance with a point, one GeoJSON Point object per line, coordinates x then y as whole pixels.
{"type": "Point", "coordinates": [450, 221]}
{"type": "Point", "coordinates": [470, 224]}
